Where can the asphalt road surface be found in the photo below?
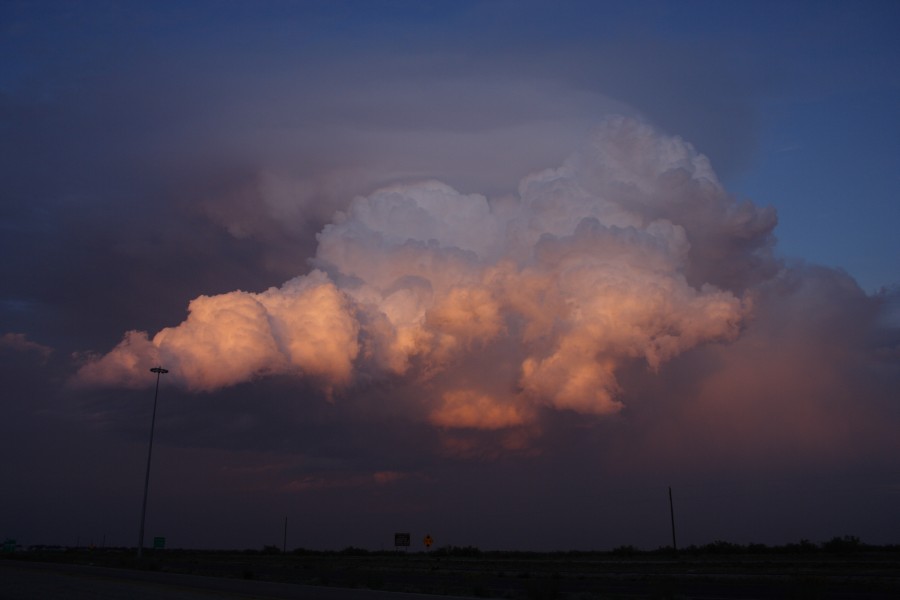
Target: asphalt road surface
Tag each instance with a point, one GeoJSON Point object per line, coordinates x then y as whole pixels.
{"type": "Point", "coordinates": [46, 581]}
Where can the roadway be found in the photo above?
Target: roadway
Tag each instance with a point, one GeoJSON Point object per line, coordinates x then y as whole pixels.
{"type": "Point", "coordinates": [21, 580]}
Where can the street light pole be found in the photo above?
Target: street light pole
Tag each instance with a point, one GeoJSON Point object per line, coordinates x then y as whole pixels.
{"type": "Point", "coordinates": [672, 515]}
{"type": "Point", "coordinates": [159, 371]}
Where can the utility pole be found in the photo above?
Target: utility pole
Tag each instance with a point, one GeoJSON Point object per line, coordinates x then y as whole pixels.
{"type": "Point", "coordinates": [672, 515]}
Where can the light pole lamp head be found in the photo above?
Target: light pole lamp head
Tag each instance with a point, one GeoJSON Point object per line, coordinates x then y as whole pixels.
{"type": "Point", "coordinates": [159, 370]}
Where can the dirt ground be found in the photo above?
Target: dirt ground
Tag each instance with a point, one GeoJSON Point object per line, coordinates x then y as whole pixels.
{"type": "Point", "coordinates": [864, 575]}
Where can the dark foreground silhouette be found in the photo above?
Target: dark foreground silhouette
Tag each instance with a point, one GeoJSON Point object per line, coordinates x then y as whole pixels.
{"type": "Point", "coordinates": [839, 569]}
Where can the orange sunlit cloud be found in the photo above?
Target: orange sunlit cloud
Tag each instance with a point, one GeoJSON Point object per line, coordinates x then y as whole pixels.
{"type": "Point", "coordinates": [592, 267]}
{"type": "Point", "coordinates": [472, 408]}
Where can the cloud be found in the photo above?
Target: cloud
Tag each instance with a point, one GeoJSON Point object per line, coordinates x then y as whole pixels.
{"type": "Point", "coordinates": [19, 342]}
{"type": "Point", "coordinates": [612, 258]}
{"type": "Point", "coordinates": [606, 322]}
{"type": "Point", "coordinates": [303, 327]}
{"type": "Point", "coordinates": [473, 408]}
{"type": "Point", "coordinates": [228, 169]}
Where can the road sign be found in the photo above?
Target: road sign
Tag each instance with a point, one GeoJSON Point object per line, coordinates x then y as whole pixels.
{"type": "Point", "coordinates": [401, 539]}
{"type": "Point", "coordinates": [428, 541]}
{"type": "Point", "coordinates": [159, 543]}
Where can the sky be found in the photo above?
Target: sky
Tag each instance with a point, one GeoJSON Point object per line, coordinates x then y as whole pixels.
{"type": "Point", "coordinates": [498, 272]}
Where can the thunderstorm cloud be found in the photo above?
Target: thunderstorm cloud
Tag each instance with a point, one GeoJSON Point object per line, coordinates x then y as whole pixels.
{"type": "Point", "coordinates": [631, 252]}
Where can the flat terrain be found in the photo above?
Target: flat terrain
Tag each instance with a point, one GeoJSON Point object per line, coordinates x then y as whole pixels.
{"type": "Point", "coordinates": [21, 580]}
{"type": "Point", "coordinates": [863, 575]}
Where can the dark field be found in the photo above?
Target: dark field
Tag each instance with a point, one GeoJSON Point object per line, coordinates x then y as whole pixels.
{"type": "Point", "coordinates": [871, 573]}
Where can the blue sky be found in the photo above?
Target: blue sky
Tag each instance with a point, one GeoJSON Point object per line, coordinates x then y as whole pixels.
{"type": "Point", "coordinates": [841, 211]}
{"type": "Point", "coordinates": [170, 169]}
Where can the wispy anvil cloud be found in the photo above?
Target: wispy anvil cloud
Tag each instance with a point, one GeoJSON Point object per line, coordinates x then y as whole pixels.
{"type": "Point", "coordinates": [631, 250]}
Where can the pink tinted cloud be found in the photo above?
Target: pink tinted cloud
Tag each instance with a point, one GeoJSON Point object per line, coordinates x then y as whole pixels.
{"type": "Point", "coordinates": [802, 385]}
{"type": "Point", "coordinates": [593, 266]}
{"type": "Point", "coordinates": [19, 342]}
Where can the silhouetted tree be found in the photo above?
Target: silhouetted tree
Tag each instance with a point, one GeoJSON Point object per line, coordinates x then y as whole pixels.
{"type": "Point", "coordinates": [842, 545]}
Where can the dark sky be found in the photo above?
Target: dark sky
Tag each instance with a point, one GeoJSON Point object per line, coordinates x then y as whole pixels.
{"type": "Point", "coordinates": [500, 272]}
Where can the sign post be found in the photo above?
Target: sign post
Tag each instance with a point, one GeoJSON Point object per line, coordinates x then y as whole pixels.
{"type": "Point", "coordinates": [401, 540]}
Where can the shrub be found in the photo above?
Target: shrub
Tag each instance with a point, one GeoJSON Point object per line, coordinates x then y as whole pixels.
{"type": "Point", "coordinates": [842, 545]}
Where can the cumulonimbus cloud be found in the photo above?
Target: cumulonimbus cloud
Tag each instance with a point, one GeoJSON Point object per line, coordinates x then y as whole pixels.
{"type": "Point", "coordinates": [631, 250]}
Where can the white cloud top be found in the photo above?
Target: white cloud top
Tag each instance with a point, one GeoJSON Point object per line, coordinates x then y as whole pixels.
{"type": "Point", "coordinates": [630, 251]}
